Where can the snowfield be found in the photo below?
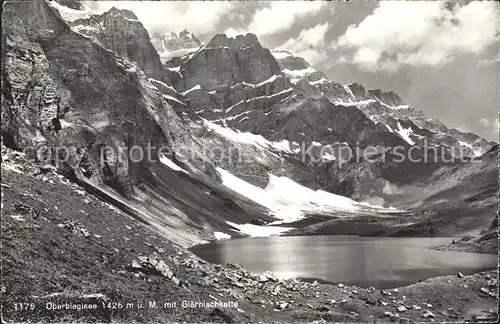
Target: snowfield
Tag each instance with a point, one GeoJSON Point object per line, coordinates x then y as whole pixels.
{"type": "Point", "coordinates": [221, 236]}
{"type": "Point", "coordinates": [290, 201]}
{"type": "Point", "coordinates": [248, 138]}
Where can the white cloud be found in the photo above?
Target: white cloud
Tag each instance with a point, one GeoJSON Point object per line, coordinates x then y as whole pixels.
{"type": "Point", "coordinates": [280, 15]}
{"type": "Point", "coordinates": [196, 16]}
{"type": "Point", "coordinates": [490, 126]}
{"type": "Point", "coordinates": [484, 122]}
{"type": "Point", "coordinates": [419, 33]}
{"type": "Point", "coordinates": [310, 44]}
{"type": "Point", "coordinates": [233, 32]}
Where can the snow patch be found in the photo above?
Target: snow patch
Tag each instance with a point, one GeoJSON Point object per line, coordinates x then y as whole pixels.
{"type": "Point", "coordinates": [260, 97]}
{"type": "Point", "coordinates": [65, 124]}
{"type": "Point", "coordinates": [259, 231]}
{"type": "Point", "coordinates": [290, 201]}
{"type": "Point", "coordinates": [256, 85]}
{"type": "Point", "coordinates": [196, 87]}
{"type": "Point", "coordinates": [162, 83]}
{"type": "Point", "coordinates": [346, 88]}
{"type": "Point", "coordinates": [475, 151]}
{"type": "Point", "coordinates": [322, 80]}
{"type": "Point", "coordinates": [69, 14]}
{"type": "Point", "coordinates": [173, 99]}
{"type": "Point", "coordinates": [405, 133]}
{"type": "Point", "coordinates": [79, 28]}
{"type": "Point", "coordinates": [133, 20]}
{"type": "Point", "coordinates": [248, 138]}
{"type": "Point", "coordinates": [221, 236]}
{"type": "Point", "coordinates": [169, 163]}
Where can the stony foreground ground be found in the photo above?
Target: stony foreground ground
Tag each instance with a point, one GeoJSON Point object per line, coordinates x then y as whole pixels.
{"type": "Point", "coordinates": [62, 247]}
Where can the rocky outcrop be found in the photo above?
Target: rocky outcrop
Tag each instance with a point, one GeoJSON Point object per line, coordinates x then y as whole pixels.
{"type": "Point", "coordinates": [75, 227]}
{"type": "Point", "coordinates": [120, 31]}
{"type": "Point", "coordinates": [389, 98]}
{"type": "Point", "coordinates": [62, 89]}
{"type": "Point", "coordinates": [155, 264]}
{"type": "Point", "coordinates": [359, 91]}
{"type": "Point", "coordinates": [71, 4]}
{"type": "Point", "coordinates": [224, 61]}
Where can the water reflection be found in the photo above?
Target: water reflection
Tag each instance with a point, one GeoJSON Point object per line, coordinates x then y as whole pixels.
{"type": "Point", "coordinates": [378, 262]}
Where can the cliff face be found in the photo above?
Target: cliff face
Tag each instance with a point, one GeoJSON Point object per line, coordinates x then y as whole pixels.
{"type": "Point", "coordinates": [68, 91]}
{"type": "Point", "coordinates": [85, 109]}
{"type": "Point", "coordinates": [225, 61]}
{"type": "Point", "coordinates": [121, 32]}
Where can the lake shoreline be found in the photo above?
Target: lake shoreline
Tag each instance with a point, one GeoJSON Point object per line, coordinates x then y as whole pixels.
{"type": "Point", "coordinates": [352, 260]}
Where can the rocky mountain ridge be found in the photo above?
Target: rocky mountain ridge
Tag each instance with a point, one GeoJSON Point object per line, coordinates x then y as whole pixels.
{"type": "Point", "coordinates": [231, 93]}
{"type": "Point", "coordinates": [120, 31]}
{"type": "Point", "coordinates": [63, 90]}
{"type": "Point", "coordinates": [382, 107]}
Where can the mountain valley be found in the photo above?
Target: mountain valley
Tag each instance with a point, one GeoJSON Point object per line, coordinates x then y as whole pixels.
{"type": "Point", "coordinates": [241, 141]}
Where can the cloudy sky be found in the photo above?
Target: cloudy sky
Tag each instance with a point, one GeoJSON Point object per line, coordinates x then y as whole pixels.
{"type": "Point", "coordinates": [440, 57]}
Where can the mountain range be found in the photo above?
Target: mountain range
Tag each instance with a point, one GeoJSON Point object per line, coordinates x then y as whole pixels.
{"type": "Point", "coordinates": [122, 149]}
{"type": "Point", "coordinates": [87, 81]}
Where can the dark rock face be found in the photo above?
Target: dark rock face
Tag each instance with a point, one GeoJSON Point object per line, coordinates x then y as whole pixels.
{"type": "Point", "coordinates": [321, 120]}
{"type": "Point", "coordinates": [359, 91]}
{"type": "Point", "coordinates": [356, 180]}
{"type": "Point", "coordinates": [120, 31]}
{"type": "Point", "coordinates": [390, 98]}
{"type": "Point", "coordinates": [64, 90]}
{"type": "Point", "coordinates": [225, 61]}
{"type": "Point", "coordinates": [72, 4]}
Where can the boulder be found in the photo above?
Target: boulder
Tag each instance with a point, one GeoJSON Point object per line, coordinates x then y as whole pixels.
{"type": "Point", "coordinates": [76, 228]}
{"type": "Point", "coordinates": [175, 281]}
{"type": "Point", "coordinates": [428, 314]}
{"type": "Point", "coordinates": [263, 278]}
{"type": "Point", "coordinates": [135, 265]}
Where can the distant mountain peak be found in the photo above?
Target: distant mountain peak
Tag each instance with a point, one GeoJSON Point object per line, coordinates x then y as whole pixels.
{"type": "Point", "coordinates": [222, 40]}
{"type": "Point", "coordinates": [72, 4]}
{"type": "Point", "coordinates": [172, 44]}
{"type": "Point", "coordinates": [123, 12]}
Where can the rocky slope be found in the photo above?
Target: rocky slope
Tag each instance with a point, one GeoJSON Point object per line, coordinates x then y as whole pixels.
{"type": "Point", "coordinates": [236, 93]}
{"type": "Point", "coordinates": [64, 91]}
{"type": "Point", "coordinates": [88, 252]}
